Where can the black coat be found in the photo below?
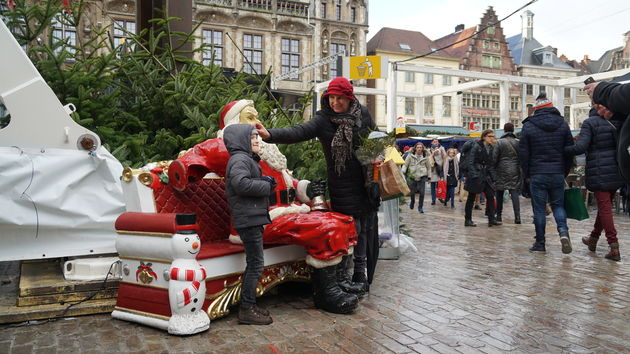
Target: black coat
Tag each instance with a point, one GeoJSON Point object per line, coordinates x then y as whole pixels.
{"type": "Point", "coordinates": [541, 146]}
{"type": "Point", "coordinates": [480, 169]}
{"type": "Point", "coordinates": [616, 97]}
{"type": "Point", "coordinates": [248, 194]}
{"type": "Point", "coordinates": [348, 193]}
{"type": "Point", "coordinates": [507, 165]}
{"type": "Point", "coordinates": [598, 140]}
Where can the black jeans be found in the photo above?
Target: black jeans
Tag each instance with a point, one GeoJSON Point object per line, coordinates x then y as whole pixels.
{"type": "Point", "coordinates": [253, 243]}
{"type": "Point", "coordinates": [470, 202]}
{"type": "Point", "coordinates": [514, 193]}
{"type": "Point", "coordinates": [360, 250]}
{"type": "Point", "coordinates": [418, 187]}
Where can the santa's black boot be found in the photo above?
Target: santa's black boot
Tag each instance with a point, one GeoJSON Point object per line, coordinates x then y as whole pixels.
{"type": "Point", "coordinates": [327, 294]}
{"type": "Point", "coordinates": [343, 279]}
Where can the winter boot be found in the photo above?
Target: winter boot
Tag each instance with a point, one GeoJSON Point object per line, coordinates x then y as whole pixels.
{"type": "Point", "coordinates": [469, 222]}
{"type": "Point", "coordinates": [591, 242]}
{"type": "Point", "coordinates": [327, 295]}
{"type": "Point", "coordinates": [361, 278]}
{"type": "Point", "coordinates": [252, 315]}
{"type": "Point", "coordinates": [538, 247]}
{"type": "Point", "coordinates": [565, 241]}
{"type": "Point", "coordinates": [411, 204]}
{"type": "Point", "coordinates": [614, 252]}
{"type": "Point", "coordinates": [343, 279]}
{"type": "Point", "coordinates": [498, 218]}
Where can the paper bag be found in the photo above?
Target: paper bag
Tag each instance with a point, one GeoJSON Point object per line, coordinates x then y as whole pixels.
{"type": "Point", "coordinates": [391, 181]}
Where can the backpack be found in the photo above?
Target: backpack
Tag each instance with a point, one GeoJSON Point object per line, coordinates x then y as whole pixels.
{"type": "Point", "coordinates": [465, 156]}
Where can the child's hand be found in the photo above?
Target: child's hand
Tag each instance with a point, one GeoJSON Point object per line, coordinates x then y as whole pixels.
{"type": "Point", "coordinates": [271, 181]}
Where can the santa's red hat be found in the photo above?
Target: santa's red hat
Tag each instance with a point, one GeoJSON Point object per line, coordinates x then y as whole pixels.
{"type": "Point", "coordinates": [230, 114]}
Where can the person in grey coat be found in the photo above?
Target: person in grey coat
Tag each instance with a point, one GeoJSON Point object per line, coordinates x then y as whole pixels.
{"type": "Point", "coordinates": [248, 197]}
{"type": "Point", "coordinates": [508, 171]}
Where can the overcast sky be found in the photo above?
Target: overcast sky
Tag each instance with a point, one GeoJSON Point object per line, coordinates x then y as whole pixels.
{"type": "Point", "coordinates": [576, 27]}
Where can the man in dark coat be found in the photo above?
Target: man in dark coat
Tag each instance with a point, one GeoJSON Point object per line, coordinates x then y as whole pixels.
{"type": "Point", "coordinates": [508, 171]}
{"type": "Point", "coordinates": [598, 139]}
{"type": "Point", "coordinates": [544, 136]}
{"type": "Point", "coordinates": [615, 98]}
{"type": "Point", "coordinates": [339, 127]}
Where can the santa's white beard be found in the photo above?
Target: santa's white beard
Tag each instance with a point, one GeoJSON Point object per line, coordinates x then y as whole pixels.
{"type": "Point", "coordinates": [272, 156]}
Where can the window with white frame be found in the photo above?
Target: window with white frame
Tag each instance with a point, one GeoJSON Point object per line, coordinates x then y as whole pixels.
{"type": "Point", "coordinates": [446, 80]}
{"type": "Point", "coordinates": [446, 106]}
{"type": "Point", "coordinates": [290, 56]}
{"type": "Point", "coordinates": [495, 102]}
{"type": "Point", "coordinates": [410, 76]}
{"type": "Point", "coordinates": [335, 48]}
{"type": "Point", "coordinates": [63, 30]}
{"type": "Point", "coordinates": [514, 103]}
{"type": "Point", "coordinates": [542, 88]}
{"type": "Point", "coordinates": [323, 13]}
{"type": "Point", "coordinates": [428, 106]}
{"type": "Point", "coordinates": [529, 89]}
{"type": "Point", "coordinates": [338, 10]}
{"type": "Point", "coordinates": [123, 33]}
{"type": "Point", "coordinates": [491, 61]}
{"type": "Point", "coordinates": [428, 78]}
{"type": "Point", "coordinates": [410, 106]}
{"type": "Point", "coordinates": [213, 52]}
{"type": "Point", "coordinates": [253, 51]}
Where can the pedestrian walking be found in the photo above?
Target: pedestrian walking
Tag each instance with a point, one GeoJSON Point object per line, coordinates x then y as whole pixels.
{"type": "Point", "coordinates": [480, 176]}
{"type": "Point", "coordinates": [452, 176]}
{"type": "Point", "coordinates": [417, 168]}
{"type": "Point", "coordinates": [598, 141]}
{"type": "Point", "coordinates": [544, 136]}
{"type": "Point", "coordinates": [508, 170]}
{"type": "Point", "coordinates": [438, 156]}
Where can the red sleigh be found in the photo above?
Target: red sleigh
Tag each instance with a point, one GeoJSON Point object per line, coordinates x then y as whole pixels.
{"type": "Point", "coordinates": [142, 241]}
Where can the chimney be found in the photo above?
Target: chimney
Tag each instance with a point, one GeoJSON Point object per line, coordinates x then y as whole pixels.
{"type": "Point", "coordinates": [555, 51]}
{"type": "Point", "coordinates": [459, 28]}
{"type": "Point", "coordinates": [586, 58]}
{"type": "Point", "coordinates": [527, 24]}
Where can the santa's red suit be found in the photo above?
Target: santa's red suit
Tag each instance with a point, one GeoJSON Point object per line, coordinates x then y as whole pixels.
{"type": "Point", "coordinates": [325, 235]}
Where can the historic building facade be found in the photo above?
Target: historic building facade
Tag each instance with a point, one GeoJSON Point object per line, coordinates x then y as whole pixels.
{"type": "Point", "coordinates": [254, 36]}
{"type": "Point", "coordinates": [538, 61]}
{"type": "Point", "coordinates": [398, 45]}
{"type": "Point", "coordinates": [487, 52]}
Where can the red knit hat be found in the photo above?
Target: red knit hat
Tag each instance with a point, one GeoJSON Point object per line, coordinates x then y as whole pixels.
{"type": "Point", "coordinates": [340, 86]}
{"type": "Point", "coordinates": [229, 114]}
{"type": "Point", "coordinates": [406, 148]}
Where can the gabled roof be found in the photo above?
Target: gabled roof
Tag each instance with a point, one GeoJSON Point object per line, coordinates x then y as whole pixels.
{"type": "Point", "coordinates": [605, 61]}
{"type": "Point", "coordinates": [527, 51]}
{"type": "Point", "coordinates": [403, 41]}
{"type": "Point", "coordinates": [459, 49]}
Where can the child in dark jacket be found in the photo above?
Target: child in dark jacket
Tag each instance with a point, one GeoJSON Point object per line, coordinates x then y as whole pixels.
{"type": "Point", "coordinates": [248, 196]}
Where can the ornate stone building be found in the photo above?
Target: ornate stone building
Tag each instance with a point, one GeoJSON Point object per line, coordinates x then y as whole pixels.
{"type": "Point", "coordinates": [487, 52]}
{"type": "Point", "coordinates": [276, 35]}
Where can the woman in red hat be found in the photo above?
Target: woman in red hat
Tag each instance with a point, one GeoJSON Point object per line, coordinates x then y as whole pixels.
{"type": "Point", "coordinates": [339, 126]}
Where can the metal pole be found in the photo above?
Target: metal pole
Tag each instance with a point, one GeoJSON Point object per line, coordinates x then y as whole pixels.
{"type": "Point", "coordinates": [391, 96]}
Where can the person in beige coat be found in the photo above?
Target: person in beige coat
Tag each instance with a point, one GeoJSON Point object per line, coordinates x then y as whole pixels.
{"type": "Point", "coordinates": [417, 168]}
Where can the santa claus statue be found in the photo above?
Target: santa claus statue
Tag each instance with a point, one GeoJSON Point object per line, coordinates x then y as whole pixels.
{"type": "Point", "coordinates": [328, 237]}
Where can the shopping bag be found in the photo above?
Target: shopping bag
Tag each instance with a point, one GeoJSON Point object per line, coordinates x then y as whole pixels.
{"type": "Point", "coordinates": [574, 204]}
{"type": "Point", "coordinates": [391, 181]}
{"type": "Point", "coordinates": [441, 190]}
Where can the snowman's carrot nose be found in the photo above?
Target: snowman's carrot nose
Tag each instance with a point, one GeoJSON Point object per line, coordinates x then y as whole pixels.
{"type": "Point", "coordinates": [195, 245]}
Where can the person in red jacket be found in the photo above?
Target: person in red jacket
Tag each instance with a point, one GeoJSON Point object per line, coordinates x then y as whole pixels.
{"type": "Point", "coordinates": [328, 237]}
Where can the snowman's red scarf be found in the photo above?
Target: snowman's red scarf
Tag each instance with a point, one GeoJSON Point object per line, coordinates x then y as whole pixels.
{"type": "Point", "coordinates": [188, 274]}
{"type": "Point", "coordinates": [184, 296]}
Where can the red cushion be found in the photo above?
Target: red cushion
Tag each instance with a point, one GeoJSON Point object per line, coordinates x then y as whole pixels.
{"type": "Point", "coordinates": [147, 222]}
{"type": "Point", "coordinates": [223, 248]}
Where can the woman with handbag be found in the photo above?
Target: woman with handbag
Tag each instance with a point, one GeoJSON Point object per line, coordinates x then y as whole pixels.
{"type": "Point", "coordinates": [438, 156]}
{"type": "Point", "coordinates": [451, 167]}
{"type": "Point", "coordinates": [480, 176]}
{"type": "Point", "coordinates": [417, 168]}
{"type": "Point", "coordinates": [598, 139]}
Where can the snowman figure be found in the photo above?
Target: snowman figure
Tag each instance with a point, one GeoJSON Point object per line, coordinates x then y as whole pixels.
{"type": "Point", "coordinates": [187, 286]}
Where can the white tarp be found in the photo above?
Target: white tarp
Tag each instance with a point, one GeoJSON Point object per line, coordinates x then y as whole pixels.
{"type": "Point", "coordinates": [58, 202]}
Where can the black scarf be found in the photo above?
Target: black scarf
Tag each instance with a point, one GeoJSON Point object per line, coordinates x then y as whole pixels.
{"type": "Point", "coordinates": [341, 145]}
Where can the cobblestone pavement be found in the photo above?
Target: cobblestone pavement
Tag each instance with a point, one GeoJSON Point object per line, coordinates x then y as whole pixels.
{"type": "Point", "coordinates": [468, 290]}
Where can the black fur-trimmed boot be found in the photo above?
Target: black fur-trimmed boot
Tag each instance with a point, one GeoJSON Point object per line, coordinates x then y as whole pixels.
{"type": "Point", "coordinates": [327, 294]}
{"type": "Point", "coordinates": [343, 279]}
